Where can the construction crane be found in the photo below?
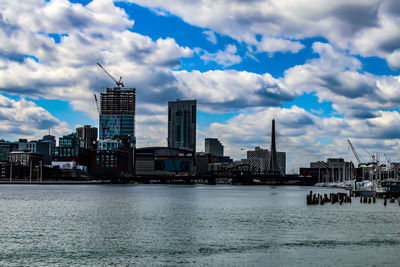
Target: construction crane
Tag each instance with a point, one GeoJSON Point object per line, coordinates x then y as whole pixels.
{"type": "Point", "coordinates": [354, 152]}
{"type": "Point", "coordinates": [104, 126]}
{"type": "Point", "coordinates": [372, 156]}
{"type": "Point", "coordinates": [119, 83]}
{"type": "Point", "coordinates": [97, 104]}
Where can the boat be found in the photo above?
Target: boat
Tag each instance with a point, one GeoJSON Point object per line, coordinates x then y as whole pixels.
{"type": "Point", "coordinates": [388, 187]}
{"type": "Point", "coordinates": [364, 188]}
{"type": "Point", "coordinates": [223, 181]}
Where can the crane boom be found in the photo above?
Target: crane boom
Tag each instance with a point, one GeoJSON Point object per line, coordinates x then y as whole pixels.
{"type": "Point", "coordinates": [371, 155]}
{"type": "Point", "coordinates": [97, 104]}
{"type": "Point", "coordinates": [118, 83]}
{"type": "Point", "coordinates": [354, 152]}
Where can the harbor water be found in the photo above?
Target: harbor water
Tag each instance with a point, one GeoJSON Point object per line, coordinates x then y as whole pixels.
{"type": "Point", "coordinates": [142, 225]}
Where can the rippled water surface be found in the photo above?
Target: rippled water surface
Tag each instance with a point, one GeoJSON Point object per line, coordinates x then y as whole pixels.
{"type": "Point", "coordinates": [111, 225]}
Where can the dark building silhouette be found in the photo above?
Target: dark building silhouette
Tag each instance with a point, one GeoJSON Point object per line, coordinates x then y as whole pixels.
{"type": "Point", "coordinates": [207, 164]}
{"type": "Point", "coordinates": [214, 146]}
{"type": "Point", "coordinates": [6, 148]}
{"type": "Point", "coordinates": [87, 136]}
{"type": "Point", "coordinates": [152, 161]}
{"type": "Point", "coordinates": [44, 146]}
{"type": "Point", "coordinates": [182, 124]}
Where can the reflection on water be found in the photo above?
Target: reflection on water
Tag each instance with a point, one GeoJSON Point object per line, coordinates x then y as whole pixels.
{"type": "Point", "coordinates": [44, 225]}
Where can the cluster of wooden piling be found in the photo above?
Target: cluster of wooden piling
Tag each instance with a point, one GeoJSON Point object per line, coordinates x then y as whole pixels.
{"type": "Point", "coordinates": [368, 199]}
{"type": "Point", "coordinates": [391, 200]}
{"type": "Point", "coordinates": [318, 199]}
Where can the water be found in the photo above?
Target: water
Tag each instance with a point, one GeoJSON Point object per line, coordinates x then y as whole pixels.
{"type": "Point", "coordinates": [141, 225]}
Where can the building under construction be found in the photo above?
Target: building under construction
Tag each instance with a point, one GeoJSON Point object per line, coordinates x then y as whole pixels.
{"type": "Point", "coordinates": [117, 113]}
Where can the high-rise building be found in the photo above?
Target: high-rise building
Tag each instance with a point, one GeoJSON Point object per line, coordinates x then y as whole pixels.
{"type": "Point", "coordinates": [182, 124]}
{"type": "Point", "coordinates": [87, 136]}
{"type": "Point", "coordinates": [214, 146]}
{"type": "Point", "coordinates": [117, 113]}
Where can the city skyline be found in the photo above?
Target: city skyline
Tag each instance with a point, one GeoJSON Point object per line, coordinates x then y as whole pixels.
{"type": "Point", "coordinates": [326, 74]}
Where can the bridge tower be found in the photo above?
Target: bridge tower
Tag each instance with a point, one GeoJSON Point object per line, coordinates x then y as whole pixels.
{"type": "Point", "coordinates": [273, 161]}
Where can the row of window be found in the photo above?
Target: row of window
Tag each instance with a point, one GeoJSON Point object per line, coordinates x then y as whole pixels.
{"type": "Point", "coordinates": [64, 152]}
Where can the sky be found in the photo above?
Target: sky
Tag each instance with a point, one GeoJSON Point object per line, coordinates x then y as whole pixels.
{"type": "Point", "coordinates": [327, 71]}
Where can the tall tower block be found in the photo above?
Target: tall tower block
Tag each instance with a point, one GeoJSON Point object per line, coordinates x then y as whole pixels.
{"type": "Point", "coordinates": [182, 124]}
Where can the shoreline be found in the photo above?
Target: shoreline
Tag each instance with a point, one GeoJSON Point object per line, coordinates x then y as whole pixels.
{"type": "Point", "coordinates": [97, 182]}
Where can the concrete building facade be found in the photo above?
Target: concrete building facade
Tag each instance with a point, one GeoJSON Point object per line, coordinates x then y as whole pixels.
{"type": "Point", "coordinates": [333, 170]}
{"type": "Point", "coordinates": [25, 158]}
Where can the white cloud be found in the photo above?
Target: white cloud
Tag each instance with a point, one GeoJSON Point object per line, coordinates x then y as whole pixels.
{"type": "Point", "coordinates": [335, 76]}
{"type": "Point", "coordinates": [394, 59]}
{"type": "Point", "coordinates": [226, 57]}
{"type": "Point", "coordinates": [365, 27]}
{"type": "Point", "coordinates": [24, 119]}
{"type": "Point", "coordinates": [273, 45]}
{"type": "Point", "coordinates": [68, 71]}
{"type": "Point", "coordinates": [211, 36]}
{"type": "Point", "coordinates": [231, 90]}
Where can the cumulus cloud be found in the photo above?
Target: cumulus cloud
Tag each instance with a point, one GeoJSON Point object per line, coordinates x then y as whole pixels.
{"type": "Point", "coordinates": [231, 90]}
{"type": "Point", "coordinates": [24, 118]}
{"type": "Point", "coordinates": [93, 33]}
{"type": "Point", "coordinates": [272, 45]}
{"type": "Point", "coordinates": [336, 76]}
{"type": "Point", "coordinates": [365, 27]}
{"type": "Point", "coordinates": [68, 71]}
